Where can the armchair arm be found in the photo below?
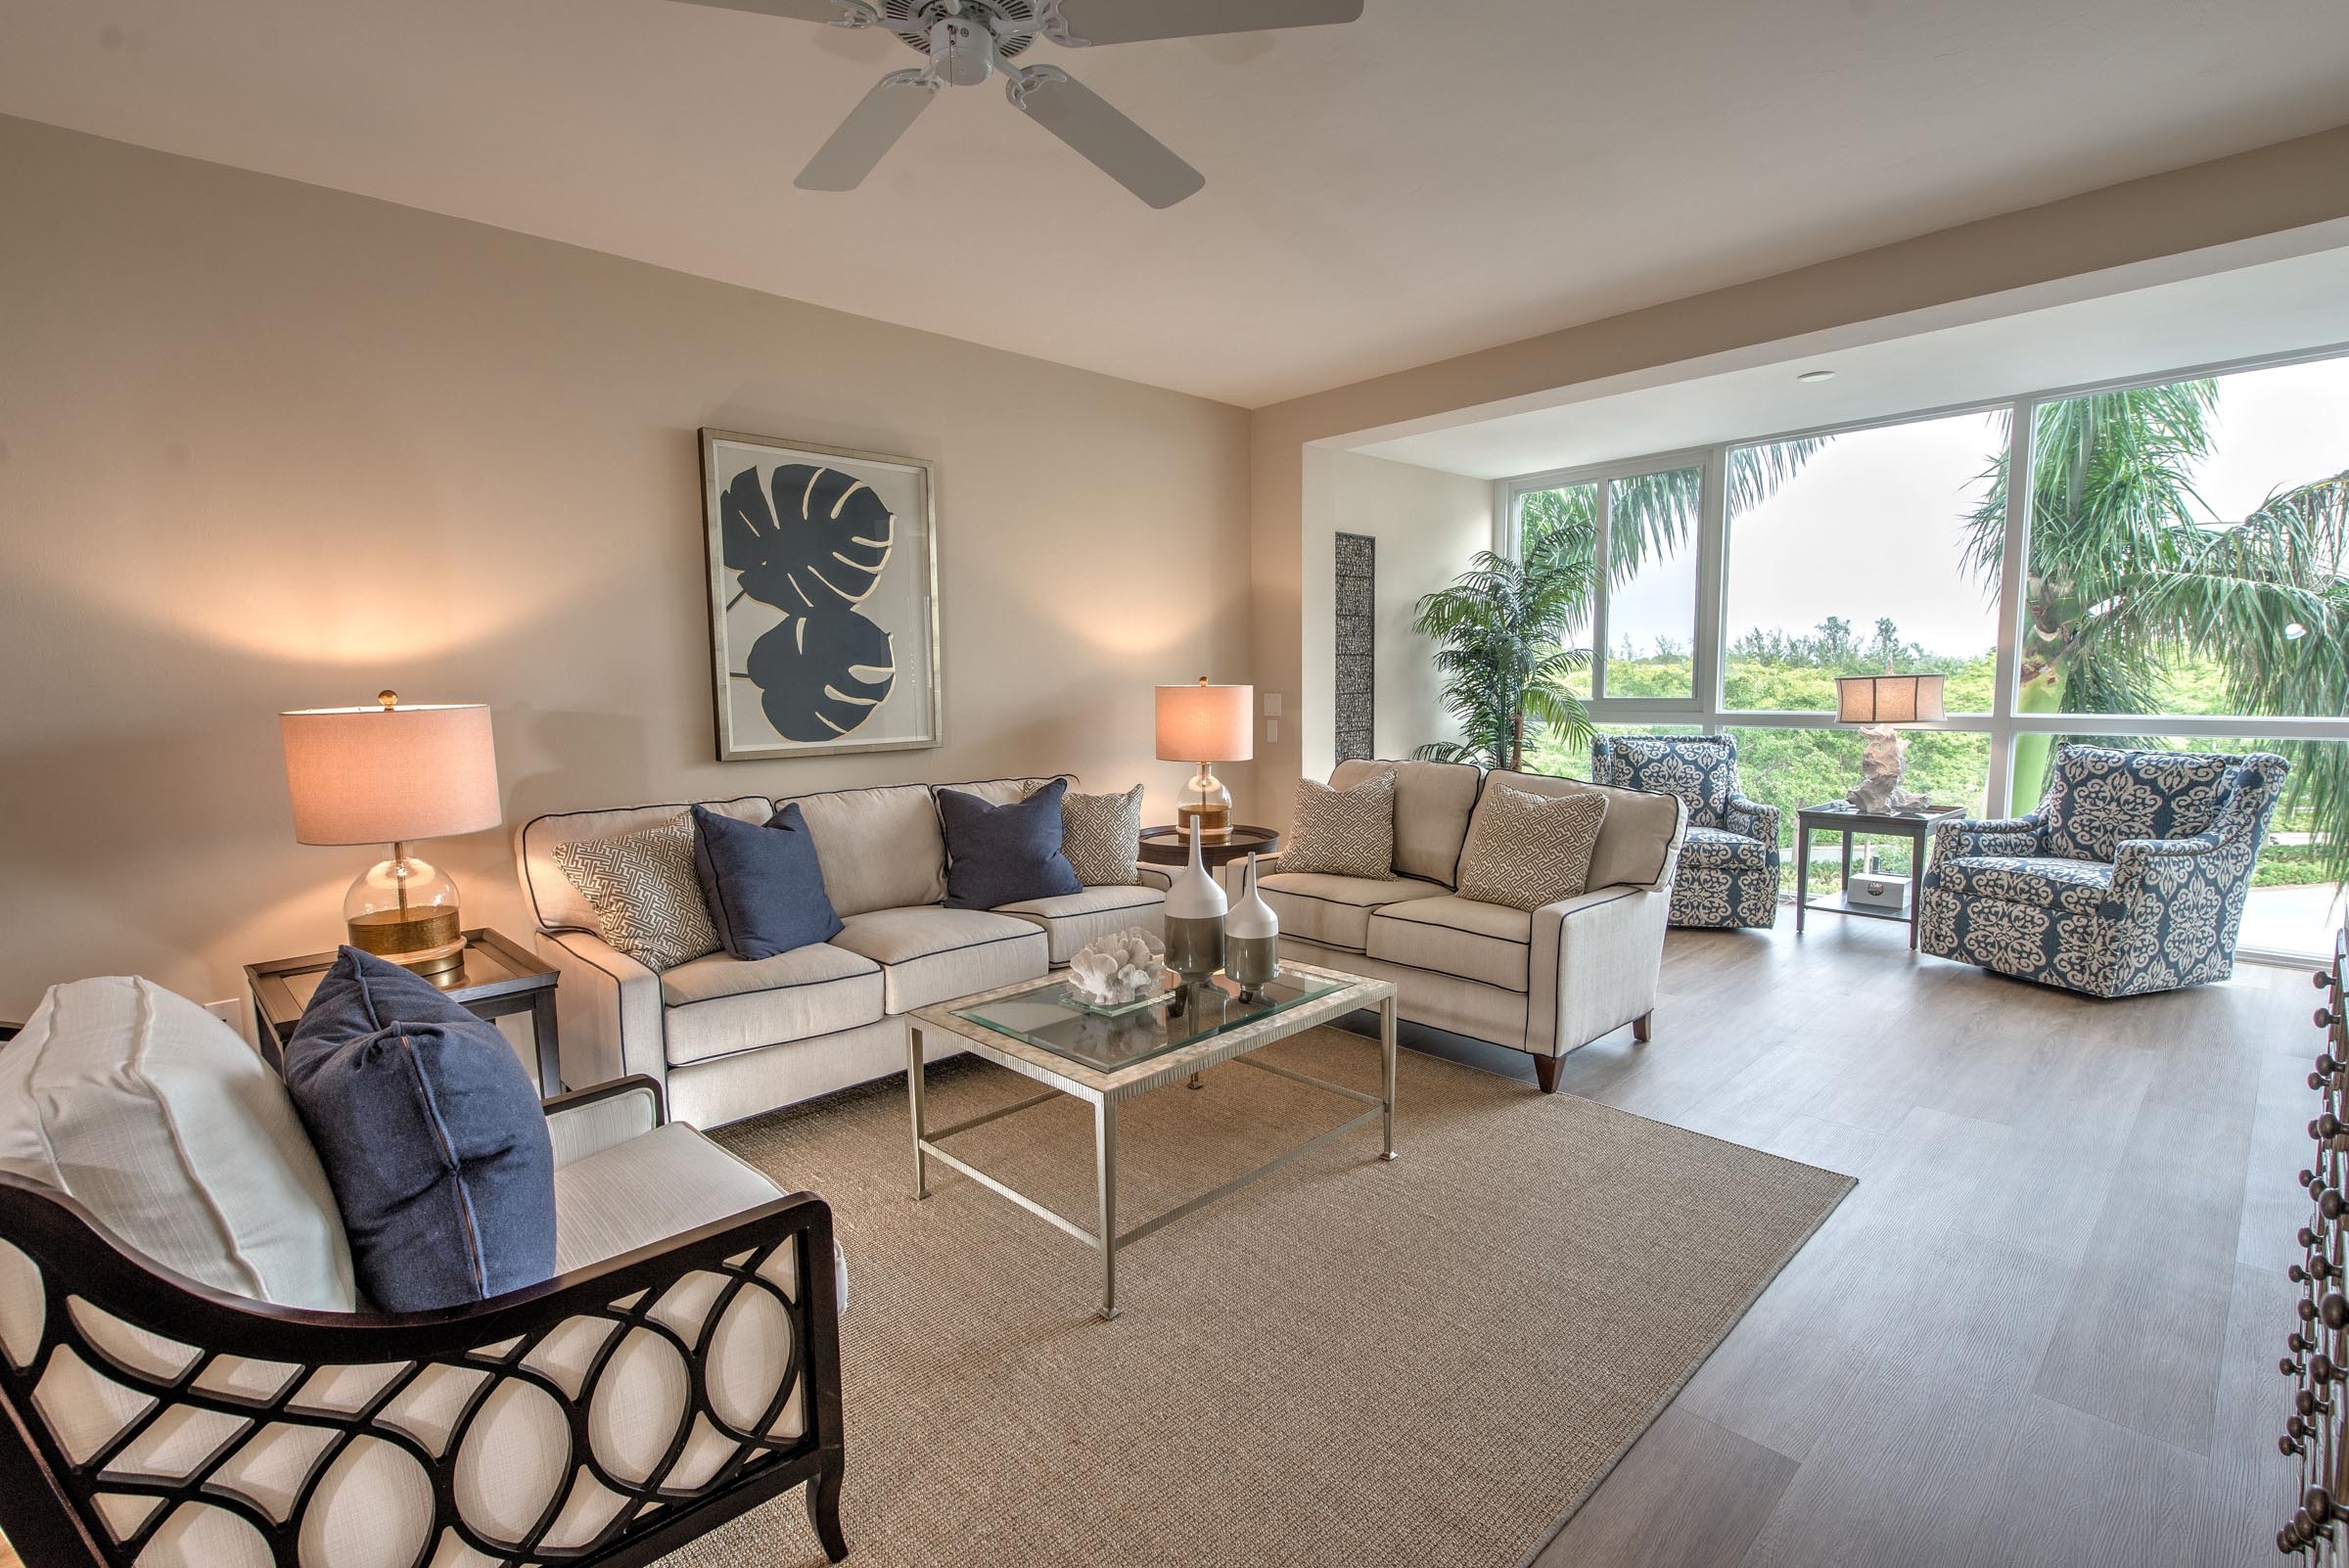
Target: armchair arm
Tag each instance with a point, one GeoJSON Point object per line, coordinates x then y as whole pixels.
{"type": "Point", "coordinates": [485, 1408]}
{"type": "Point", "coordinates": [610, 1006]}
{"type": "Point", "coordinates": [1752, 820]}
{"type": "Point", "coordinates": [590, 1121]}
{"type": "Point", "coordinates": [1598, 961]}
{"type": "Point", "coordinates": [1996, 835]}
{"type": "Point", "coordinates": [2156, 868]}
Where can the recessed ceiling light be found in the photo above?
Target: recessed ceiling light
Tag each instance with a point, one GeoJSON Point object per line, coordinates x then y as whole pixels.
{"type": "Point", "coordinates": [1817, 374]}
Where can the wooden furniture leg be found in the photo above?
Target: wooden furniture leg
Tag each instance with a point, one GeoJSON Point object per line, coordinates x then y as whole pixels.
{"type": "Point", "coordinates": [1546, 1073]}
{"type": "Point", "coordinates": [1641, 1025]}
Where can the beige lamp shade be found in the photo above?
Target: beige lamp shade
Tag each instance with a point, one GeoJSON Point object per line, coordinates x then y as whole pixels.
{"type": "Point", "coordinates": [1887, 698]}
{"type": "Point", "coordinates": [1206, 723]}
{"type": "Point", "coordinates": [387, 773]}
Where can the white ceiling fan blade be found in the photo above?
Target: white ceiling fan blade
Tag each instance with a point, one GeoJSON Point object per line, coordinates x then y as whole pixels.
{"type": "Point", "coordinates": [835, 13]}
{"type": "Point", "coordinates": [871, 129]}
{"type": "Point", "coordinates": [1112, 21]}
{"type": "Point", "coordinates": [1112, 142]}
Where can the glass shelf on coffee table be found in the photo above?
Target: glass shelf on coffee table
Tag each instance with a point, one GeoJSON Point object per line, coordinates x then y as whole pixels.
{"type": "Point", "coordinates": [1032, 1028]}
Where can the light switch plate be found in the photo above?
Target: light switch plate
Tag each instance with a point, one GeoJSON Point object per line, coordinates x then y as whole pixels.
{"type": "Point", "coordinates": [1271, 732]}
{"type": "Point", "coordinates": [230, 1011]}
{"type": "Point", "coordinates": [1271, 704]}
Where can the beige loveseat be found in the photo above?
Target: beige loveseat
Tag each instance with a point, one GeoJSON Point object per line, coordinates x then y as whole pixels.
{"type": "Point", "coordinates": [1544, 981]}
{"type": "Point", "coordinates": [729, 1039]}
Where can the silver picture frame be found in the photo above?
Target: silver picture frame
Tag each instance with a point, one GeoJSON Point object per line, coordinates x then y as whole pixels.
{"type": "Point", "coordinates": [807, 593]}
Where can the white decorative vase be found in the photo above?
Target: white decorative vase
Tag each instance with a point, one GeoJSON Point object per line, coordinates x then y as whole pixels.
{"type": "Point", "coordinates": [1252, 938]}
{"type": "Point", "coordinates": [1195, 909]}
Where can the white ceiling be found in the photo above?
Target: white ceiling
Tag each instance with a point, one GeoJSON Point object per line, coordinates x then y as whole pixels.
{"type": "Point", "coordinates": [2281, 307]}
{"type": "Point", "coordinates": [1433, 180]}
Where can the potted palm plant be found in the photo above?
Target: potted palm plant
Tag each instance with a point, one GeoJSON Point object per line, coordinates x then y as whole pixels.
{"type": "Point", "coordinates": [1501, 634]}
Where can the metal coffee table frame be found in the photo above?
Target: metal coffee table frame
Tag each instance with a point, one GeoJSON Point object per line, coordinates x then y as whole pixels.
{"type": "Point", "coordinates": [1105, 1091]}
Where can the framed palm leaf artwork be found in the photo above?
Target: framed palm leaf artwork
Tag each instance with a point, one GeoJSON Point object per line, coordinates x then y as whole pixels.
{"type": "Point", "coordinates": [823, 598]}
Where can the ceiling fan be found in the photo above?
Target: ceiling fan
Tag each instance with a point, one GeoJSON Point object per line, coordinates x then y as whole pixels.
{"type": "Point", "coordinates": [968, 41]}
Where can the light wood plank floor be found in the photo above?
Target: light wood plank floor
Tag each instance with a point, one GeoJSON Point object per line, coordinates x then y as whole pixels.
{"type": "Point", "coordinates": [2044, 1329]}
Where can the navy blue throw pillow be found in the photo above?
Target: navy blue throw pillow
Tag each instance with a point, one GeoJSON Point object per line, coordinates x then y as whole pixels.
{"type": "Point", "coordinates": [999, 855]}
{"type": "Point", "coordinates": [432, 1137]}
{"type": "Point", "coordinates": [764, 885]}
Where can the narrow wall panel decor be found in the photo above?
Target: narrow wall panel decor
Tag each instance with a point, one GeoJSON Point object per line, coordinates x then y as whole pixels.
{"type": "Point", "coordinates": [1357, 646]}
{"type": "Point", "coordinates": [823, 598]}
{"type": "Point", "coordinates": [2318, 1362]}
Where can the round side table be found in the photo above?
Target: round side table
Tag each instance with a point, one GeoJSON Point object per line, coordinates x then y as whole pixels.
{"type": "Point", "coordinates": [1167, 846]}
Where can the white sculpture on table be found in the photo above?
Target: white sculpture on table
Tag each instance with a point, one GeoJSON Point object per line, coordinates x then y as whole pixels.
{"type": "Point", "coordinates": [1882, 755]}
{"type": "Point", "coordinates": [1121, 968]}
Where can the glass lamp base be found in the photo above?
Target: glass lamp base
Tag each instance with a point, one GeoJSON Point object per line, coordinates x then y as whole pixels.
{"type": "Point", "coordinates": [1205, 810]}
{"type": "Point", "coordinates": [406, 909]}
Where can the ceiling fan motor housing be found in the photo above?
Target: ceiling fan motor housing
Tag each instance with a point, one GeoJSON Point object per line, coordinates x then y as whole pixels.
{"type": "Point", "coordinates": [968, 60]}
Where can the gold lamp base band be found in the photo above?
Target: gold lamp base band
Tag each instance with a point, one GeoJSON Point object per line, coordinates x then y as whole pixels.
{"type": "Point", "coordinates": [429, 941]}
{"type": "Point", "coordinates": [1213, 822]}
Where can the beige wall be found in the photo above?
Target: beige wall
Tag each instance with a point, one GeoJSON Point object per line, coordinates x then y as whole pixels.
{"type": "Point", "coordinates": [2289, 186]}
{"type": "Point", "coordinates": [1427, 524]}
{"type": "Point", "coordinates": [264, 446]}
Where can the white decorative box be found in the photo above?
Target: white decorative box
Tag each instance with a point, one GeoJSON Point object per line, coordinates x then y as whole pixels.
{"type": "Point", "coordinates": [1872, 889]}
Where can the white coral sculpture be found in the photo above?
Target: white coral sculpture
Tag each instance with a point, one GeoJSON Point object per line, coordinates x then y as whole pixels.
{"type": "Point", "coordinates": [1121, 968]}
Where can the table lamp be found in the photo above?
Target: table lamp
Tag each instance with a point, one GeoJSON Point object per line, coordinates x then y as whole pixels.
{"type": "Point", "coordinates": [389, 775]}
{"type": "Point", "coordinates": [1877, 702]}
{"type": "Point", "coordinates": [1206, 724]}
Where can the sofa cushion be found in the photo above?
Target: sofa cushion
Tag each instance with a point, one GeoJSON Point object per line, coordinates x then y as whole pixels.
{"type": "Point", "coordinates": [1526, 849]}
{"type": "Point", "coordinates": [880, 849]}
{"type": "Point", "coordinates": [1007, 853]}
{"type": "Point", "coordinates": [432, 1136]}
{"type": "Point", "coordinates": [1635, 842]}
{"type": "Point", "coordinates": [1432, 806]}
{"type": "Point", "coordinates": [1335, 911]}
{"type": "Point", "coordinates": [716, 1005]}
{"type": "Point", "coordinates": [2099, 796]}
{"type": "Point", "coordinates": [1089, 913]}
{"type": "Point", "coordinates": [1102, 837]}
{"type": "Point", "coordinates": [928, 954]}
{"type": "Point", "coordinates": [160, 1120]}
{"type": "Point", "coordinates": [1455, 936]}
{"type": "Point", "coordinates": [554, 901]}
{"type": "Point", "coordinates": [763, 886]}
{"type": "Point", "coordinates": [1347, 832]}
{"type": "Point", "coordinates": [646, 895]}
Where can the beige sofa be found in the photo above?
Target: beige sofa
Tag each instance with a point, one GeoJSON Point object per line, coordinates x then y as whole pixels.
{"type": "Point", "coordinates": [729, 1039]}
{"type": "Point", "coordinates": [1545, 981]}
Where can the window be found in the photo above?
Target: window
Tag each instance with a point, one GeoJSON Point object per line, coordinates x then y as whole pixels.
{"type": "Point", "coordinates": [1856, 552]}
{"type": "Point", "coordinates": [2186, 579]}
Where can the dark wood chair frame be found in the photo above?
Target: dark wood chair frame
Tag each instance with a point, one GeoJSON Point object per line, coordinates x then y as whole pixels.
{"type": "Point", "coordinates": [47, 1500]}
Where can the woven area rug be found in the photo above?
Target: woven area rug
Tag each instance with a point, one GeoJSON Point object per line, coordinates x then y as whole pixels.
{"type": "Point", "coordinates": [1349, 1362]}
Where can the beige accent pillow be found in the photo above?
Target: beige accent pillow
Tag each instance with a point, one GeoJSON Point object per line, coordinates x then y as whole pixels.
{"type": "Point", "coordinates": [1636, 842]}
{"type": "Point", "coordinates": [1526, 849]}
{"type": "Point", "coordinates": [1102, 837]}
{"type": "Point", "coordinates": [645, 892]}
{"type": "Point", "coordinates": [1344, 833]}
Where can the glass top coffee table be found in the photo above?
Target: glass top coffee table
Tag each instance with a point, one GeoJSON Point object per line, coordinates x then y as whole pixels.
{"type": "Point", "coordinates": [1034, 1030]}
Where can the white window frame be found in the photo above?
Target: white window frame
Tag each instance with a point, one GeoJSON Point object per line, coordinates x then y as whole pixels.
{"type": "Point", "coordinates": [1705, 710]}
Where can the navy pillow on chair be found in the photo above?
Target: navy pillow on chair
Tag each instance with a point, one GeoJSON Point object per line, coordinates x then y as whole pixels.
{"type": "Point", "coordinates": [764, 885]}
{"type": "Point", "coordinates": [432, 1136]}
{"type": "Point", "coordinates": [999, 855]}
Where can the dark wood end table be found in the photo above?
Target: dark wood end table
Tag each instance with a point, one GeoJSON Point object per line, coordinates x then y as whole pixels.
{"type": "Point", "coordinates": [1168, 846]}
{"type": "Point", "coordinates": [1835, 818]}
{"type": "Point", "coordinates": [499, 977]}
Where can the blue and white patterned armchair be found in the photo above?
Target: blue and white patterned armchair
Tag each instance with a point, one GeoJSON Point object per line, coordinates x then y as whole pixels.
{"type": "Point", "coordinates": [2129, 878]}
{"type": "Point", "coordinates": [1729, 869]}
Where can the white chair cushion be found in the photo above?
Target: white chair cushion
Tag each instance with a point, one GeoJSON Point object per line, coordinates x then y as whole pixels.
{"type": "Point", "coordinates": [1335, 911]}
{"type": "Point", "coordinates": [555, 902]}
{"type": "Point", "coordinates": [880, 849]}
{"type": "Point", "coordinates": [160, 1120]}
{"type": "Point", "coordinates": [1073, 920]}
{"type": "Point", "coordinates": [1454, 936]}
{"type": "Point", "coordinates": [662, 1185]}
{"type": "Point", "coordinates": [931, 955]}
{"type": "Point", "coordinates": [717, 1004]}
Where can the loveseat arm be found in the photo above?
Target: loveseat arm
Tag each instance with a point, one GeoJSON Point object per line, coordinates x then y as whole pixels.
{"type": "Point", "coordinates": [480, 1423]}
{"type": "Point", "coordinates": [1751, 819]}
{"type": "Point", "coordinates": [609, 1005]}
{"type": "Point", "coordinates": [590, 1121]}
{"type": "Point", "coordinates": [1993, 835]}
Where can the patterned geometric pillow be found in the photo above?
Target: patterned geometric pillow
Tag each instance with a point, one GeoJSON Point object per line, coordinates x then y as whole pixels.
{"type": "Point", "coordinates": [1525, 849]}
{"type": "Point", "coordinates": [1701, 769]}
{"type": "Point", "coordinates": [2100, 796]}
{"type": "Point", "coordinates": [1344, 833]}
{"type": "Point", "coordinates": [1102, 837]}
{"type": "Point", "coordinates": [646, 895]}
